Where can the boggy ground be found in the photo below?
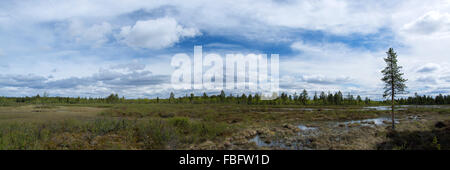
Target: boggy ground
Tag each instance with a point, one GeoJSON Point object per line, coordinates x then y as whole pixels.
{"type": "Point", "coordinates": [219, 126]}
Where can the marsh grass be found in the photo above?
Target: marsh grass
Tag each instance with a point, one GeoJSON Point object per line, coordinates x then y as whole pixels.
{"type": "Point", "coordinates": [243, 114]}
{"type": "Point", "coordinates": [173, 133]}
{"type": "Point", "coordinates": [419, 136]}
{"type": "Point", "coordinates": [180, 126]}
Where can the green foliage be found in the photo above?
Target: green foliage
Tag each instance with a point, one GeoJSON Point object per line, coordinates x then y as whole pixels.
{"type": "Point", "coordinates": [113, 98]}
{"type": "Point", "coordinates": [394, 83]}
{"type": "Point", "coordinates": [392, 76]}
{"type": "Point", "coordinates": [303, 98]}
{"type": "Point", "coordinates": [425, 100]}
{"type": "Point", "coordinates": [181, 122]}
{"type": "Point", "coordinates": [435, 143]}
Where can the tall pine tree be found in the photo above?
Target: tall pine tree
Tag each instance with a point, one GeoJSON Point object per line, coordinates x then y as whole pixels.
{"type": "Point", "coordinates": [392, 77]}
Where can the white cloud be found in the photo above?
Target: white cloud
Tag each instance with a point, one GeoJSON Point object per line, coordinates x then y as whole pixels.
{"type": "Point", "coordinates": [428, 68]}
{"type": "Point", "coordinates": [433, 22]}
{"type": "Point", "coordinates": [322, 49]}
{"type": "Point", "coordinates": [338, 17]}
{"type": "Point", "coordinates": [427, 79]}
{"type": "Point", "coordinates": [321, 79]}
{"type": "Point", "coordinates": [96, 35]}
{"type": "Point", "coordinates": [155, 34]}
{"type": "Point", "coordinates": [133, 66]}
{"type": "Point", "coordinates": [445, 78]}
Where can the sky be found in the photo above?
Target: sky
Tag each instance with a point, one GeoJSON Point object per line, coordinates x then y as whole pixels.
{"type": "Point", "coordinates": [92, 48]}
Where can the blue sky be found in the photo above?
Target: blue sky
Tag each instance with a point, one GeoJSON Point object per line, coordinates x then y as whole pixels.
{"type": "Point", "coordinates": [94, 48]}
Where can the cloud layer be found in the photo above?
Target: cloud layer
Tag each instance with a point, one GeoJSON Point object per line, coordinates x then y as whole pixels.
{"type": "Point", "coordinates": [92, 48]}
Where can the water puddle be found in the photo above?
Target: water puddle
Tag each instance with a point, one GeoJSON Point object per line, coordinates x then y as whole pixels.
{"type": "Point", "coordinates": [306, 128]}
{"type": "Point", "coordinates": [267, 143]}
{"type": "Point", "coordinates": [405, 107]}
{"type": "Point", "coordinates": [370, 122]}
{"type": "Point", "coordinates": [306, 109]}
{"type": "Point", "coordinates": [279, 144]}
{"type": "Point", "coordinates": [376, 108]}
{"type": "Point", "coordinates": [381, 108]}
{"type": "Point", "coordinates": [427, 106]}
{"type": "Point", "coordinates": [305, 131]}
{"type": "Point", "coordinates": [303, 137]}
{"type": "Point", "coordinates": [413, 117]}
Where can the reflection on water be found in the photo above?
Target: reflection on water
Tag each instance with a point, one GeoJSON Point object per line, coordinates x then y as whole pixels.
{"type": "Point", "coordinates": [295, 145]}
{"type": "Point", "coordinates": [267, 143]}
{"type": "Point", "coordinates": [306, 128]}
{"type": "Point", "coordinates": [306, 109]}
{"type": "Point", "coordinates": [404, 107]}
{"type": "Point", "coordinates": [378, 108]}
{"type": "Point", "coordinates": [306, 132]}
{"type": "Point", "coordinates": [372, 122]}
{"type": "Point", "coordinates": [382, 108]}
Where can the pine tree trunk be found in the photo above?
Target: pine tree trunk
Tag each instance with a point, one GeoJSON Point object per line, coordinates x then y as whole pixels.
{"type": "Point", "coordinates": [393, 117]}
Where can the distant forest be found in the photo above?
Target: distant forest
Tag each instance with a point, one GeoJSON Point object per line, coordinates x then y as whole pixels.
{"type": "Point", "coordinates": [284, 99]}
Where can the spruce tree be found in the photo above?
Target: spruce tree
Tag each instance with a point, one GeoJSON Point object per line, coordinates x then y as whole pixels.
{"type": "Point", "coordinates": [222, 96]}
{"type": "Point", "coordinates": [315, 98]}
{"type": "Point", "coordinates": [304, 97]}
{"type": "Point", "coordinates": [172, 97]}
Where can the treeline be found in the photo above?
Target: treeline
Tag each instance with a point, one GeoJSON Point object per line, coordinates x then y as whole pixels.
{"type": "Point", "coordinates": [113, 98]}
{"type": "Point", "coordinates": [284, 99]}
{"type": "Point", "coordinates": [425, 100]}
{"type": "Point", "coordinates": [249, 99]}
{"type": "Point", "coordinates": [302, 98]}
